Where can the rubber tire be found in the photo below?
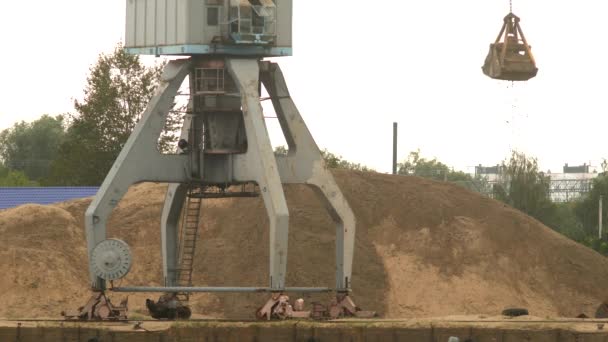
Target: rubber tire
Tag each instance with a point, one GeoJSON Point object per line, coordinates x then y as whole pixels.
{"type": "Point", "coordinates": [184, 312]}
{"type": "Point", "coordinates": [515, 312]}
{"type": "Point", "coordinates": [602, 311]}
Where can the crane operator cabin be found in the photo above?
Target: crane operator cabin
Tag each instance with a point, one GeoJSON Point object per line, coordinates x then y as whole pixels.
{"type": "Point", "coordinates": [227, 27]}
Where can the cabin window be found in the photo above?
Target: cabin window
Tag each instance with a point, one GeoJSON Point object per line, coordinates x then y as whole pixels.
{"type": "Point", "coordinates": [252, 21]}
{"type": "Point", "coordinates": [209, 80]}
{"type": "Point", "coordinates": [213, 16]}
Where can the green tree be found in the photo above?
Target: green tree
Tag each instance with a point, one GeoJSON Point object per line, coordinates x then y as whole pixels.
{"type": "Point", "coordinates": [10, 177]}
{"type": "Point", "coordinates": [524, 187]}
{"type": "Point", "coordinates": [563, 219]}
{"type": "Point", "coordinates": [416, 165]}
{"type": "Point", "coordinates": [117, 92]}
{"type": "Point", "coordinates": [332, 160]}
{"type": "Point", "coordinates": [587, 209]}
{"type": "Point", "coordinates": [31, 147]}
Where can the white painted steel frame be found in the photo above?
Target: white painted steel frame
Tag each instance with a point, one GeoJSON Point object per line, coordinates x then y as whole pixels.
{"type": "Point", "coordinates": [140, 161]}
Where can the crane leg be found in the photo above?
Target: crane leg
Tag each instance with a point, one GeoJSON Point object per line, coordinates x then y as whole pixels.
{"type": "Point", "coordinates": [259, 164]}
{"type": "Point", "coordinates": [169, 227]}
{"type": "Point", "coordinates": [138, 161]}
{"type": "Point", "coordinates": [304, 164]}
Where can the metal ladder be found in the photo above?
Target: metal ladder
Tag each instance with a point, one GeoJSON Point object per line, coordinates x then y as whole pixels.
{"type": "Point", "coordinates": [187, 242]}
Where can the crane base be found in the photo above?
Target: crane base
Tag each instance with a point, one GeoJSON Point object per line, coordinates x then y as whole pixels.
{"type": "Point", "coordinates": [99, 308]}
{"type": "Point", "coordinates": [168, 307]}
{"type": "Point", "coordinates": [279, 307]}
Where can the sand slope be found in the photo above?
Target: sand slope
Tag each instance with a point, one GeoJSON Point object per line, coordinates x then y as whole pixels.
{"type": "Point", "coordinates": [423, 248]}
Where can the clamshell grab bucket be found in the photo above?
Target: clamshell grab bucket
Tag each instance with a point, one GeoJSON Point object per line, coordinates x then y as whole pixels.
{"type": "Point", "coordinates": [510, 59]}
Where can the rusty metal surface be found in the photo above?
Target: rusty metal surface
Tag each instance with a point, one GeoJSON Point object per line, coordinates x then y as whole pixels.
{"type": "Point", "coordinates": [279, 307]}
{"type": "Point", "coordinates": [169, 307]}
{"type": "Point", "coordinates": [99, 308]}
{"type": "Point", "coordinates": [343, 306]}
{"type": "Point", "coordinates": [510, 57]}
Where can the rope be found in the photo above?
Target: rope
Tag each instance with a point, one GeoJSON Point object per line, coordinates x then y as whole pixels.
{"type": "Point", "coordinates": [510, 6]}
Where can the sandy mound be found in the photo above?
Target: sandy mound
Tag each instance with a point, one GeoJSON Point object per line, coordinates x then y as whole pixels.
{"type": "Point", "coordinates": [424, 248]}
{"type": "Point", "coordinates": [39, 251]}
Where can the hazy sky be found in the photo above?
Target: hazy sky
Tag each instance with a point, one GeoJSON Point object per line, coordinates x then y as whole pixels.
{"type": "Point", "coordinates": [358, 68]}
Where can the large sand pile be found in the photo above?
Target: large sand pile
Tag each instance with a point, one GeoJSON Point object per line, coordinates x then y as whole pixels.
{"type": "Point", "coordinates": [423, 248]}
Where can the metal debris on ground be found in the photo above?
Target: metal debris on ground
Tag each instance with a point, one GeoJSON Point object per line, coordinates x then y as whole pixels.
{"type": "Point", "coordinates": [602, 311]}
{"type": "Point", "coordinates": [279, 307]}
{"type": "Point", "coordinates": [169, 307]}
{"type": "Point", "coordinates": [139, 326]}
{"type": "Point", "coordinates": [99, 308]}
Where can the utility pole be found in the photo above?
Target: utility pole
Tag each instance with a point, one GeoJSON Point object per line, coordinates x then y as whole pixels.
{"type": "Point", "coordinates": [600, 217]}
{"type": "Point", "coordinates": [394, 148]}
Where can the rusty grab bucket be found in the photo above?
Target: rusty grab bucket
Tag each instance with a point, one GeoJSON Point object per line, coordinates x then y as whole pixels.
{"type": "Point", "coordinates": [510, 57]}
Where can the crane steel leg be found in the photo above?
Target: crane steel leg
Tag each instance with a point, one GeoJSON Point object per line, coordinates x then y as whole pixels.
{"type": "Point", "coordinates": [169, 223]}
{"type": "Point", "coordinates": [259, 164]}
{"type": "Point", "coordinates": [304, 164]}
{"type": "Point", "coordinates": [169, 230]}
{"type": "Point", "coordinates": [138, 161]}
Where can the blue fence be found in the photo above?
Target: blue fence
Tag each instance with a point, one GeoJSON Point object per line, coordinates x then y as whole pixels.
{"type": "Point", "coordinates": [14, 196]}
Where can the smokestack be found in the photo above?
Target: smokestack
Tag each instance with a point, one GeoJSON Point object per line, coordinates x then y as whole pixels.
{"type": "Point", "coordinates": [394, 148]}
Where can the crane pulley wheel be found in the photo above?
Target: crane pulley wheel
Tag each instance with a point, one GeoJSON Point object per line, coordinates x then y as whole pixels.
{"type": "Point", "coordinates": [111, 259]}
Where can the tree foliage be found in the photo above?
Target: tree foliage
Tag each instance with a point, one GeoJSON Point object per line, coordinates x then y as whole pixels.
{"type": "Point", "coordinates": [31, 147]}
{"type": "Point", "coordinates": [10, 177]}
{"type": "Point", "coordinates": [416, 165]}
{"type": "Point", "coordinates": [563, 219]}
{"type": "Point", "coordinates": [524, 187]}
{"type": "Point", "coordinates": [117, 92]}
{"type": "Point", "coordinates": [587, 210]}
{"type": "Point", "coordinates": [333, 161]}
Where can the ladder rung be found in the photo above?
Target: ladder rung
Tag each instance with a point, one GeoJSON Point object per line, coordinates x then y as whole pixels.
{"type": "Point", "coordinates": [189, 235]}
